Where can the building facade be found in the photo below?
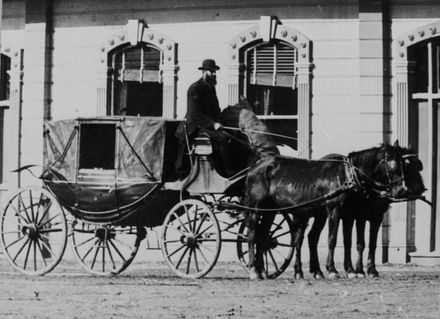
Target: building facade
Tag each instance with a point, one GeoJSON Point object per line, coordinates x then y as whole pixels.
{"type": "Point", "coordinates": [337, 76]}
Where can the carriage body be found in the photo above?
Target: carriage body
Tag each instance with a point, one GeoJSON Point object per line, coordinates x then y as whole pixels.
{"type": "Point", "coordinates": [111, 169]}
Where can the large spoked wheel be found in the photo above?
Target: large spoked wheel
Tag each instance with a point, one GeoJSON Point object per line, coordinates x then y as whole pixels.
{"type": "Point", "coordinates": [105, 250]}
{"type": "Point", "coordinates": [190, 239]}
{"type": "Point", "coordinates": [278, 247]}
{"type": "Point", "coordinates": [33, 231]}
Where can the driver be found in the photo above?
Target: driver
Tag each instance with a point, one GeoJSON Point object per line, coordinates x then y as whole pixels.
{"type": "Point", "coordinates": [203, 116]}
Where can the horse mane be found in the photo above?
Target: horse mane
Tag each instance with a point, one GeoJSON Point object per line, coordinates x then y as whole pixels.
{"type": "Point", "coordinates": [264, 143]}
{"type": "Point", "coordinates": [241, 116]}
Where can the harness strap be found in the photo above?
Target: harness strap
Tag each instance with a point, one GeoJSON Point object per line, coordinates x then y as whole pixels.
{"type": "Point", "coordinates": [330, 195]}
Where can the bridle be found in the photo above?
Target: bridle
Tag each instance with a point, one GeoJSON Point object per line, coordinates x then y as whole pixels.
{"type": "Point", "coordinates": [357, 177]}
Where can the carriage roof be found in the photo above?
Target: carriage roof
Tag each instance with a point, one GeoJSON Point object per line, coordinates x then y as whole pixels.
{"type": "Point", "coordinates": [134, 146]}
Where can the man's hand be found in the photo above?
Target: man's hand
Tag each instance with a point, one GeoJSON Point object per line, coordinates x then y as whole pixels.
{"type": "Point", "coordinates": [217, 126]}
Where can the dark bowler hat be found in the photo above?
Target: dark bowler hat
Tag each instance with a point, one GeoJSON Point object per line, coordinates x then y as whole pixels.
{"type": "Point", "coordinates": [209, 64]}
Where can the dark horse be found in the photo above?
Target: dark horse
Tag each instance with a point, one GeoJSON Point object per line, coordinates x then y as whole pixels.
{"type": "Point", "coordinates": [361, 206]}
{"type": "Point", "coordinates": [303, 185]}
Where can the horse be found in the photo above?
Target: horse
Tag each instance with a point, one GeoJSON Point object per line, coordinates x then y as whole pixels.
{"type": "Point", "coordinates": [361, 207]}
{"type": "Point", "coordinates": [302, 185]}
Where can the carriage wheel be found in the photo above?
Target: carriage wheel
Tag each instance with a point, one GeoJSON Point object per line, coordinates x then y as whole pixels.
{"type": "Point", "coordinates": [190, 239]}
{"type": "Point", "coordinates": [33, 231]}
{"type": "Point", "coordinates": [105, 250]}
{"type": "Point", "coordinates": [278, 248]}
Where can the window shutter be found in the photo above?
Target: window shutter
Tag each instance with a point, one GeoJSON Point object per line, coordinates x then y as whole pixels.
{"type": "Point", "coordinates": [272, 65]}
{"type": "Point", "coordinates": [140, 63]}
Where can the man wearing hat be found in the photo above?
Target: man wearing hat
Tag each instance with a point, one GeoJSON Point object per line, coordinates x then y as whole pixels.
{"type": "Point", "coordinates": [203, 113]}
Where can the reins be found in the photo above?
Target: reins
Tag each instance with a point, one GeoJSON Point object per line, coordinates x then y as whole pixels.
{"type": "Point", "coordinates": [260, 132]}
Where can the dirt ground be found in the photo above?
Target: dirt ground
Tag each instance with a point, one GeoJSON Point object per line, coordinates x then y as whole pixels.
{"type": "Point", "coordinates": [150, 290]}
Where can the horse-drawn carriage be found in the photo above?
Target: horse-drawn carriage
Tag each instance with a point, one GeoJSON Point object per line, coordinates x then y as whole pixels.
{"type": "Point", "coordinates": [115, 177]}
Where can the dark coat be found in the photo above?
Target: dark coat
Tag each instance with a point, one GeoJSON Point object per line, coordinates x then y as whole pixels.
{"type": "Point", "coordinates": [203, 109]}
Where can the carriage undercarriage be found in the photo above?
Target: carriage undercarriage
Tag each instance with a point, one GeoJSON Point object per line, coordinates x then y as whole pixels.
{"type": "Point", "coordinates": [106, 210]}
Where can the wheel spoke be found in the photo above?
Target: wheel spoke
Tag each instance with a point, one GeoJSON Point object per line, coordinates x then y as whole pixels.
{"type": "Point", "coordinates": [117, 250]}
{"type": "Point", "coordinates": [41, 253]}
{"type": "Point", "coordinates": [84, 242]}
{"type": "Point", "coordinates": [90, 250]}
{"type": "Point", "coordinates": [188, 265]}
{"type": "Point", "coordinates": [27, 254]}
{"type": "Point", "coordinates": [177, 250]}
{"type": "Point", "coordinates": [46, 210]}
{"type": "Point", "coordinates": [110, 255]}
{"type": "Point", "coordinates": [48, 221]}
{"type": "Point", "coordinates": [195, 260]}
{"type": "Point", "coordinates": [273, 261]}
{"type": "Point", "coordinates": [15, 241]}
{"type": "Point", "coordinates": [204, 231]}
{"type": "Point", "coordinates": [46, 246]}
{"type": "Point", "coordinates": [281, 235]}
{"type": "Point", "coordinates": [24, 206]}
{"type": "Point", "coordinates": [35, 255]}
{"type": "Point", "coordinates": [22, 247]}
{"type": "Point", "coordinates": [31, 205]}
{"type": "Point", "coordinates": [181, 258]}
{"type": "Point", "coordinates": [180, 222]}
{"type": "Point", "coordinates": [203, 255]}
{"type": "Point", "coordinates": [96, 254]}
{"type": "Point", "coordinates": [38, 207]}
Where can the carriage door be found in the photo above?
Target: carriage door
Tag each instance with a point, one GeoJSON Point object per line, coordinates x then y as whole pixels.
{"type": "Point", "coordinates": [424, 133]}
{"type": "Point", "coordinates": [5, 68]}
{"type": "Point", "coordinates": [136, 87]}
{"type": "Point", "coordinates": [270, 86]}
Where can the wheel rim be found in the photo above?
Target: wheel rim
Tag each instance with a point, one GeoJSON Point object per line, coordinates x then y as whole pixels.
{"type": "Point", "coordinates": [190, 239]}
{"type": "Point", "coordinates": [105, 250]}
{"type": "Point", "coordinates": [278, 248]}
{"type": "Point", "coordinates": [33, 231]}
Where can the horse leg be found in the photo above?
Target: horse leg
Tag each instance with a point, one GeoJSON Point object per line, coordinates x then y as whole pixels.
{"type": "Point", "coordinates": [299, 227]}
{"type": "Point", "coordinates": [371, 264]}
{"type": "Point", "coordinates": [360, 246]}
{"type": "Point", "coordinates": [347, 227]}
{"type": "Point", "coordinates": [333, 223]}
{"type": "Point", "coordinates": [263, 241]}
{"type": "Point", "coordinates": [314, 233]}
{"type": "Point", "coordinates": [252, 225]}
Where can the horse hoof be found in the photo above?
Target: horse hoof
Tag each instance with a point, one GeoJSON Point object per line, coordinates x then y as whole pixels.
{"type": "Point", "coordinates": [360, 275]}
{"type": "Point", "coordinates": [333, 275]}
{"type": "Point", "coordinates": [351, 275]}
{"type": "Point", "coordinates": [299, 276]}
{"type": "Point", "coordinates": [253, 276]}
{"type": "Point", "coordinates": [318, 276]}
{"type": "Point", "coordinates": [373, 275]}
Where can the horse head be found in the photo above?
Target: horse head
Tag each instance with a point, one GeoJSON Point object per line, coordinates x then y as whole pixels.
{"type": "Point", "coordinates": [397, 172]}
{"type": "Point", "coordinates": [383, 170]}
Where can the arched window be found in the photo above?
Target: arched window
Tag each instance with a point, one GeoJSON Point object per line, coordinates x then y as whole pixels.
{"type": "Point", "coordinates": [5, 68]}
{"type": "Point", "coordinates": [270, 86]}
{"type": "Point", "coordinates": [136, 85]}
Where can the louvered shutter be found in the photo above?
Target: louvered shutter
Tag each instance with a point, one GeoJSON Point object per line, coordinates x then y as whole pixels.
{"type": "Point", "coordinates": [140, 64]}
{"type": "Point", "coordinates": [272, 65]}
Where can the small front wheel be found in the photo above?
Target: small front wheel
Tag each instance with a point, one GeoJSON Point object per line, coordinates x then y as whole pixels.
{"type": "Point", "coordinates": [105, 250]}
{"type": "Point", "coordinates": [190, 239]}
{"type": "Point", "coordinates": [33, 231]}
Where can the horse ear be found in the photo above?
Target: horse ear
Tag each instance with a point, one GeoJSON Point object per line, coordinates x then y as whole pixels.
{"type": "Point", "coordinates": [396, 143]}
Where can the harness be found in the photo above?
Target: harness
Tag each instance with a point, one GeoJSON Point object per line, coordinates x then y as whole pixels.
{"type": "Point", "coordinates": [354, 176]}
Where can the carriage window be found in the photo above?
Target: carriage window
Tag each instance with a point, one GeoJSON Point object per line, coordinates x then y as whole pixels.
{"type": "Point", "coordinates": [270, 87]}
{"type": "Point", "coordinates": [97, 146]}
{"type": "Point", "coordinates": [136, 85]}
